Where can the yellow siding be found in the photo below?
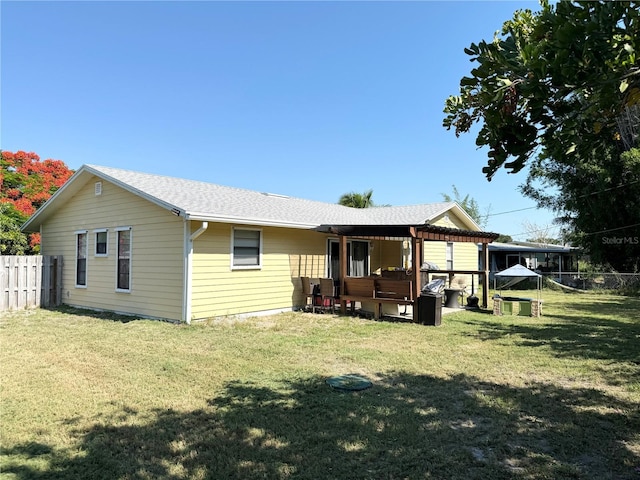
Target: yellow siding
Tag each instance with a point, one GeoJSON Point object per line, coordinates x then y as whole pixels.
{"type": "Point", "coordinates": [435, 252]}
{"type": "Point", "coordinates": [450, 220]}
{"type": "Point", "coordinates": [307, 252]}
{"type": "Point", "coordinates": [156, 256]}
{"type": "Point", "coordinates": [287, 255]}
{"type": "Point", "coordinates": [385, 253]}
{"type": "Point", "coordinates": [465, 257]}
{"type": "Point", "coordinates": [465, 254]}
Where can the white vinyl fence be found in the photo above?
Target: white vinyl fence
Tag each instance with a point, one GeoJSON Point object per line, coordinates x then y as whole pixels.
{"type": "Point", "coordinates": [30, 281]}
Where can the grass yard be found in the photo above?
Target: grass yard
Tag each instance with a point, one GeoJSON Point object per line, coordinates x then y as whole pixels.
{"type": "Point", "coordinates": [88, 396]}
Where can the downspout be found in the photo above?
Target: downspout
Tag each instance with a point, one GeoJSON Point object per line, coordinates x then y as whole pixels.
{"type": "Point", "coordinates": [200, 231]}
{"type": "Point", "coordinates": [188, 283]}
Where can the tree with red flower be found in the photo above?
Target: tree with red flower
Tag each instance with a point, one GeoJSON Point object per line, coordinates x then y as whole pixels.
{"type": "Point", "coordinates": [26, 183]}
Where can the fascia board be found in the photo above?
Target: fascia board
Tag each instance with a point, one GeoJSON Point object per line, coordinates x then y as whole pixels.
{"type": "Point", "coordinates": [68, 187]}
{"type": "Point", "coordinates": [464, 216]}
{"type": "Point", "coordinates": [514, 248]}
{"type": "Point", "coordinates": [201, 217]}
{"type": "Point", "coordinates": [72, 185]}
{"type": "Point", "coordinates": [442, 211]}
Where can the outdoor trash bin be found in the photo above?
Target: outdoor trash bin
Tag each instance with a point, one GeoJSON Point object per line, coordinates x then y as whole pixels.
{"type": "Point", "coordinates": [430, 309]}
{"type": "Point", "coordinates": [472, 301]}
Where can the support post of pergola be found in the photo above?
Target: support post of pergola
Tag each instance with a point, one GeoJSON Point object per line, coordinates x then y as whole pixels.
{"type": "Point", "coordinates": [343, 270]}
{"type": "Point", "coordinates": [417, 249]}
{"type": "Point", "coordinates": [485, 277]}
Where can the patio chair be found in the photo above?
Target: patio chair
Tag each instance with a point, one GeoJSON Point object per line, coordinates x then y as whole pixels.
{"type": "Point", "coordinates": [327, 294]}
{"type": "Point", "coordinates": [307, 291]}
{"type": "Point", "coordinates": [460, 282]}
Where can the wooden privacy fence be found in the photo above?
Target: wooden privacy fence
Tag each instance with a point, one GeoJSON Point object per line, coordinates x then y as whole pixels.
{"type": "Point", "coordinates": [30, 281]}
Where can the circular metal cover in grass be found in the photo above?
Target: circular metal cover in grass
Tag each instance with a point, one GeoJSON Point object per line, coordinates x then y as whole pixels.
{"type": "Point", "coordinates": [349, 383]}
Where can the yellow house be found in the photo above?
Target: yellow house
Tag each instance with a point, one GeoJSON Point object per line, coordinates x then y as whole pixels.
{"type": "Point", "coordinates": [177, 249]}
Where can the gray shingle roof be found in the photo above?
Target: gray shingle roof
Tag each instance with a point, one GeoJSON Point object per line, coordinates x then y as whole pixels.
{"type": "Point", "coordinates": [208, 201]}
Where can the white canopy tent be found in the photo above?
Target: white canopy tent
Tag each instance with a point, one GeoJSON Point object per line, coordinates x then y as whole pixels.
{"type": "Point", "coordinates": [516, 274]}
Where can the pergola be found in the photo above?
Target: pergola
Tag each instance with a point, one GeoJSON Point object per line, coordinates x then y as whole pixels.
{"type": "Point", "coordinates": [418, 234]}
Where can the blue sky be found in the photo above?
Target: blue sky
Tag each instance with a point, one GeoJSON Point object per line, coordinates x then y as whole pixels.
{"type": "Point", "coordinates": [308, 99]}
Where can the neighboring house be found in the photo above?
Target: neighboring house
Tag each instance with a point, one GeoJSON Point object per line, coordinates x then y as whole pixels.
{"type": "Point", "coordinates": [178, 249]}
{"type": "Point", "coordinates": [558, 261]}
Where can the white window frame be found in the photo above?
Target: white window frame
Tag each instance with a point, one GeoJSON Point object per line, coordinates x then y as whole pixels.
{"type": "Point", "coordinates": [86, 258]}
{"type": "Point", "coordinates": [350, 262]}
{"type": "Point", "coordinates": [95, 240]}
{"type": "Point", "coordinates": [118, 231]}
{"type": "Point", "coordinates": [257, 266]}
{"type": "Point", "coordinates": [449, 257]}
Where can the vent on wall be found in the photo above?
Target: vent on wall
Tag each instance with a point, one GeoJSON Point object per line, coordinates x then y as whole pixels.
{"type": "Point", "coordinates": [98, 188]}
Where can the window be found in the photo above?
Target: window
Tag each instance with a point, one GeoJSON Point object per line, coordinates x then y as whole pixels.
{"type": "Point", "coordinates": [81, 259]}
{"type": "Point", "coordinates": [359, 259]}
{"type": "Point", "coordinates": [449, 256]}
{"type": "Point", "coordinates": [101, 242]}
{"type": "Point", "coordinates": [246, 248]}
{"type": "Point", "coordinates": [334, 260]}
{"type": "Point", "coordinates": [123, 274]}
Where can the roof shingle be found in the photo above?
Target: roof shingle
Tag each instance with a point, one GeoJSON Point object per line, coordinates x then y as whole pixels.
{"type": "Point", "coordinates": [210, 201]}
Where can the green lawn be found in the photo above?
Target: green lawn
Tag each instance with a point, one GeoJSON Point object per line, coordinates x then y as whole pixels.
{"type": "Point", "coordinates": [87, 396]}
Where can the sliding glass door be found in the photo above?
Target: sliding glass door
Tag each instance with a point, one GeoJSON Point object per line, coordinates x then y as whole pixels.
{"type": "Point", "coordinates": [358, 254]}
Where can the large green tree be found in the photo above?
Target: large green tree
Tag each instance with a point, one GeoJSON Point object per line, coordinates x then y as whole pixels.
{"type": "Point", "coordinates": [12, 240]}
{"type": "Point", "coordinates": [558, 91]}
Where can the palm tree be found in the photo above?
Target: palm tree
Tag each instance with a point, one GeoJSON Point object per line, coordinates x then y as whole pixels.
{"type": "Point", "coordinates": [357, 200]}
